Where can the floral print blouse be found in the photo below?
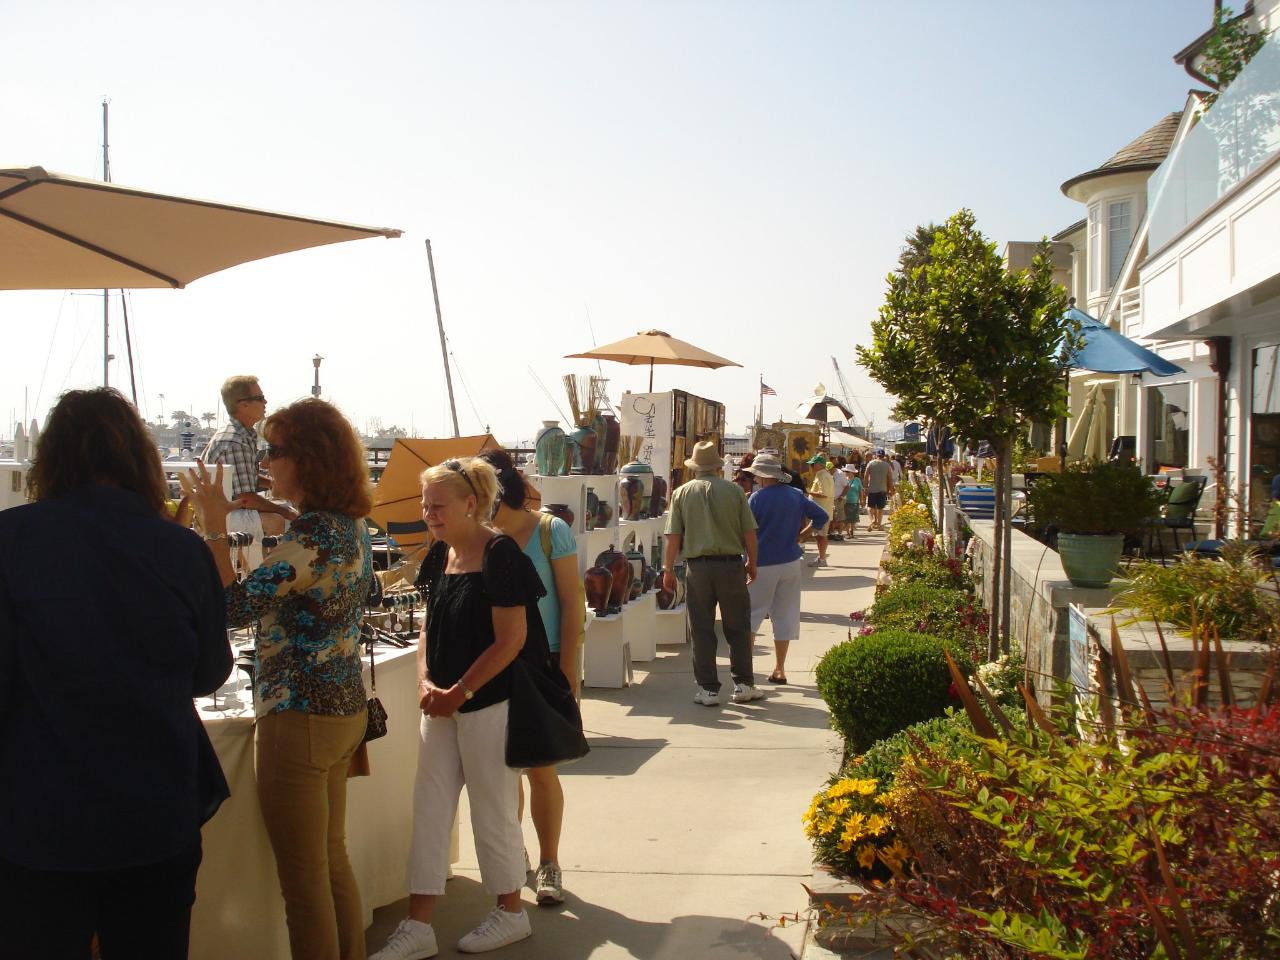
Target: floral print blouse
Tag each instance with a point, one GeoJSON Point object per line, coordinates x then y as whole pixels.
{"type": "Point", "coordinates": [309, 595]}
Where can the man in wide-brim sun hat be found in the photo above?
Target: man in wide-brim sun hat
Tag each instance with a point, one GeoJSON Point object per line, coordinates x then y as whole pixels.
{"type": "Point", "coordinates": [710, 524]}
{"type": "Point", "coordinates": [781, 512]}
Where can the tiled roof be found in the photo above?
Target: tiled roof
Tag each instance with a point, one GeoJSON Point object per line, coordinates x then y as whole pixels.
{"type": "Point", "coordinates": [1152, 147]}
{"type": "Point", "coordinates": [1143, 153]}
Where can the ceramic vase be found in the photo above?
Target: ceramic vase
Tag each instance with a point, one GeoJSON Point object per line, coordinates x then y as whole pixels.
{"type": "Point", "coordinates": [643, 474]}
{"type": "Point", "coordinates": [658, 500]}
{"type": "Point", "coordinates": [613, 432]}
{"type": "Point", "coordinates": [593, 511]}
{"type": "Point", "coordinates": [616, 562]}
{"type": "Point", "coordinates": [636, 559]}
{"type": "Point", "coordinates": [629, 498]}
{"type": "Point", "coordinates": [598, 583]}
{"type": "Point", "coordinates": [604, 514]}
{"type": "Point", "coordinates": [600, 429]}
{"type": "Point", "coordinates": [583, 443]}
{"type": "Point", "coordinates": [550, 449]}
{"type": "Point", "coordinates": [560, 510]}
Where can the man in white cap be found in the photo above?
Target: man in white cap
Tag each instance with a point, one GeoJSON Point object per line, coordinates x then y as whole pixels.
{"type": "Point", "coordinates": [710, 524]}
{"type": "Point", "coordinates": [781, 511]}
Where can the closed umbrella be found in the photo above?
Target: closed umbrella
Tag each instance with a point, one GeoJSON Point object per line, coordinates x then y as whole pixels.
{"type": "Point", "coordinates": [1088, 439]}
{"type": "Point", "coordinates": [59, 232]}
{"type": "Point", "coordinates": [655, 346]}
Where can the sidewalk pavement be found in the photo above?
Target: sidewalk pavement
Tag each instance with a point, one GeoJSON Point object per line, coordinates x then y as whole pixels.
{"type": "Point", "coordinates": [682, 826]}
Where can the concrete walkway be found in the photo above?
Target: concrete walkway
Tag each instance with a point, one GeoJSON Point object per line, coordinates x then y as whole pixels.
{"type": "Point", "coordinates": [682, 826]}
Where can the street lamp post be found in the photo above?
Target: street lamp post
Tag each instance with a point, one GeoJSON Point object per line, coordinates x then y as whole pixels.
{"type": "Point", "coordinates": [315, 362]}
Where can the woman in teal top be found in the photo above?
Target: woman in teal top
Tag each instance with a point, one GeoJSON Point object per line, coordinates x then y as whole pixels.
{"type": "Point", "coordinates": [556, 560]}
{"type": "Point", "coordinates": [852, 497]}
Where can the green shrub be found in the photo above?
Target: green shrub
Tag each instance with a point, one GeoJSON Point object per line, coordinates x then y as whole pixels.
{"type": "Point", "coordinates": [911, 564]}
{"type": "Point", "coordinates": [883, 758]}
{"type": "Point", "coordinates": [942, 612]}
{"type": "Point", "coordinates": [879, 684]}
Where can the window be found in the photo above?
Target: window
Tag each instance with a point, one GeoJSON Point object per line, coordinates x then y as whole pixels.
{"type": "Point", "coordinates": [1094, 268]}
{"type": "Point", "coordinates": [1168, 425]}
{"type": "Point", "coordinates": [1119, 233]}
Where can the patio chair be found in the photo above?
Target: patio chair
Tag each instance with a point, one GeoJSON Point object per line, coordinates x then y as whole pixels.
{"type": "Point", "coordinates": [1180, 512]}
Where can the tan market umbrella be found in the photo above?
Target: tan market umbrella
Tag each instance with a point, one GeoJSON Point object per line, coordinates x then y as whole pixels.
{"type": "Point", "coordinates": [397, 499]}
{"type": "Point", "coordinates": [655, 346]}
{"type": "Point", "coordinates": [67, 233]}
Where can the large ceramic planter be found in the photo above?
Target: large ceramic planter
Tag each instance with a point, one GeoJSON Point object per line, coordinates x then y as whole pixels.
{"type": "Point", "coordinates": [551, 450]}
{"type": "Point", "coordinates": [1090, 560]}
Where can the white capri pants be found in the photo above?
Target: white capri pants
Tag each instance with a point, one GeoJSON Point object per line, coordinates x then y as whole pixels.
{"type": "Point", "coordinates": [776, 591]}
{"type": "Point", "coordinates": [470, 749]}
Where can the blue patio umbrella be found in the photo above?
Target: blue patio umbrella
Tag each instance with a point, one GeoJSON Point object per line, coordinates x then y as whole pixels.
{"type": "Point", "coordinates": [1106, 351]}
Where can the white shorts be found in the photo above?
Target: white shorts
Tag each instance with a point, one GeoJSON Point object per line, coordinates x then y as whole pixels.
{"type": "Point", "coordinates": [776, 591]}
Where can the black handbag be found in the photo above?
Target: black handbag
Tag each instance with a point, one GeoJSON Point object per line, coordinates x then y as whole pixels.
{"type": "Point", "coordinates": [544, 722]}
{"type": "Point", "coordinates": [377, 725]}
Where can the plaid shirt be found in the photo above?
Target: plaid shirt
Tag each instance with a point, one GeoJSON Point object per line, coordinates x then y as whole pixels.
{"type": "Point", "coordinates": [236, 446]}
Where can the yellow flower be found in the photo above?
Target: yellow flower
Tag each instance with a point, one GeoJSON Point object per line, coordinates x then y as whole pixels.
{"type": "Point", "coordinates": [853, 827]}
{"type": "Point", "coordinates": [865, 787]}
{"type": "Point", "coordinates": [896, 853]}
{"type": "Point", "coordinates": [828, 826]}
{"type": "Point", "coordinates": [838, 807]}
{"type": "Point", "coordinates": [845, 845]}
{"type": "Point", "coordinates": [877, 824]}
{"type": "Point", "coordinates": [867, 856]}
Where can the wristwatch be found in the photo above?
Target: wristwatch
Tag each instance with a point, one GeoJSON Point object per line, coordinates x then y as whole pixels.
{"type": "Point", "coordinates": [467, 692]}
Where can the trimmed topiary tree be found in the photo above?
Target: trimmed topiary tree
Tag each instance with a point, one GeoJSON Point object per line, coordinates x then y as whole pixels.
{"type": "Point", "coordinates": [879, 684]}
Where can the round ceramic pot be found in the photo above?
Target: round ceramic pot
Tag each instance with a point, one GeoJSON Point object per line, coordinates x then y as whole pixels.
{"type": "Point", "coordinates": [658, 500]}
{"type": "Point", "coordinates": [644, 474]}
{"type": "Point", "coordinates": [616, 562]}
{"type": "Point", "coordinates": [550, 449]}
{"type": "Point", "coordinates": [629, 498]}
{"type": "Point", "coordinates": [636, 559]}
{"type": "Point", "coordinates": [1090, 560]}
{"type": "Point", "coordinates": [604, 514]}
{"type": "Point", "coordinates": [560, 510]}
{"type": "Point", "coordinates": [598, 583]}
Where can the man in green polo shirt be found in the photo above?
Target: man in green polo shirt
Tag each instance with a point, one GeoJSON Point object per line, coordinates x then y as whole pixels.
{"type": "Point", "coordinates": [710, 523]}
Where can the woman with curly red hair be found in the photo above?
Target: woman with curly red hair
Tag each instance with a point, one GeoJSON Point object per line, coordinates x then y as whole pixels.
{"type": "Point", "coordinates": [309, 596]}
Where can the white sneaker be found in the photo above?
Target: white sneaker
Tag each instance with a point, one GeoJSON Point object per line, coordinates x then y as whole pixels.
{"type": "Point", "coordinates": [496, 930]}
{"type": "Point", "coordinates": [411, 940]}
{"type": "Point", "coordinates": [708, 698]}
{"type": "Point", "coordinates": [745, 693]}
{"type": "Point", "coordinates": [817, 562]}
{"type": "Point", "coordinates": [547, 884]}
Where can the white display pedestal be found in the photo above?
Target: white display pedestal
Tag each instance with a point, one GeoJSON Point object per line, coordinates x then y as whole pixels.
{"type": "Point", "coordinates": [606, 659]}
{"type": "Point", "coordinates": [671, 626]}
{"type": "Point", "coordinates": [639, 628]}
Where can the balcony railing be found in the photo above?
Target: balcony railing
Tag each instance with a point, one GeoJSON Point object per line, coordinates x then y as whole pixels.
{"type": "Point", "coordinates": [1231, 140]}
{"type": "Point", "coordinates": [1126, 315]}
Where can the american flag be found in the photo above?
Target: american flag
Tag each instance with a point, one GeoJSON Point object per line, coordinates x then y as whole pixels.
{"type": "Point", "coordinates": [767, 391]}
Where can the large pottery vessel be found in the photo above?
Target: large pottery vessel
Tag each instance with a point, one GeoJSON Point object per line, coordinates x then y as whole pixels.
{"type": "Point", "coordinates": [1090, 560]}
{"type": "Point", "coordinates": [598, 584]}
{"type": "Point", "coordinates": [616, 562]}
{"type": "Point", "coordinates": [560, 510]}
{"type": "Point", "coordinates": [583, 443]}
{"type": "Point", "coordinates": [601, 430]}
{"type": "Point", "coordinates": [658, 501]}
{"type": "Point", "coordinates": [551, 450]}
{"type": "Point", "coordinates": [613, 433]}
{"type": "Point", "coordinates": [640, 499]}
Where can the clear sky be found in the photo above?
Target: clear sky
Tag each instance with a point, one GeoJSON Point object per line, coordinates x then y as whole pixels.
{"type": "Point", "coordinates": [738, 173]}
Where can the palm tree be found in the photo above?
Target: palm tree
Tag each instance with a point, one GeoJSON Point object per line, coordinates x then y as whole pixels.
{"type": "Point", "coordinates": [208, 419]}
{"type": "Point", "coordinates": [179, 417]}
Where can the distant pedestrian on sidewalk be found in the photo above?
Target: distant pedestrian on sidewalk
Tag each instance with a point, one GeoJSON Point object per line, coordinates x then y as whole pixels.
{"type": "Point", "coordinates": [780, 512]}
{"type": "Point", "coordinates": [853, 497]}
{"type": "Point", "coordinates": [710, 524]}
{"type": "Point", "coordinates": [823, 491]}
{"type": "Point", "coordinates": [879, 480]}
{"type": "Point", "coordinates": [840, 478]}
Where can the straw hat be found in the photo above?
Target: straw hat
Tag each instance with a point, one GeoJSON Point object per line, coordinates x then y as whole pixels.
{"type": "Point", "coordinates": [770, 466]}
{"type": "Point", "coordinates": [705, 457]}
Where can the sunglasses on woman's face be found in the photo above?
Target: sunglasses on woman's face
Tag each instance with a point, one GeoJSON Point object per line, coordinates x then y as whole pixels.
{"type": "Point", "coordinates": [275, 453]}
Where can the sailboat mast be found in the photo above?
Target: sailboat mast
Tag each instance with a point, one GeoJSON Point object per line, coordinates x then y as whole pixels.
{"type": "Point", "coordinates": [106, 301]}
{"type": "Point", "coordinates": [444, 350]}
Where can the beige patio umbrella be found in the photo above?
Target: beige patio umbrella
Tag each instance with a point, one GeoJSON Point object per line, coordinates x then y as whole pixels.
{"type": "Point", "coordinates": [655, 346]}
{"type": "Point", "coordinates": [59, 232]}
{"type": "Point", "coordinates": [1088, 440]}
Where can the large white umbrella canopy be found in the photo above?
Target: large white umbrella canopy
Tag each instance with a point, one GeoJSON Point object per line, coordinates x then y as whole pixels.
{"type": "Point", "coordinates": [59, 232]}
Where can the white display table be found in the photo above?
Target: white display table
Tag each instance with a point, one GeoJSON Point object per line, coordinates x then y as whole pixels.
{"type": "Point", "coordinates": [639, 627]}
{"type": "Point", "coordinates": [606, 659]}
{"type": "Point", "coordinates": [671, 626]}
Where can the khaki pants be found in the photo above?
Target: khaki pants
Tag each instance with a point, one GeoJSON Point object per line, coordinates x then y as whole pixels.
{"type": "Point", "coordinates": [300, 760]}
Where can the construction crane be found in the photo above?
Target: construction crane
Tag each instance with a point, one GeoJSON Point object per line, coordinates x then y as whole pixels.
{"type": "Point", "coordinates": [847, 395]}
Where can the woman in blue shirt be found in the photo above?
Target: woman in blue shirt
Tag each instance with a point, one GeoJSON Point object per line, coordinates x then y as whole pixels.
{"type": "Point", "coordinates": [555, 557]}
{"type": "Point", "coordinates": [781, 511]}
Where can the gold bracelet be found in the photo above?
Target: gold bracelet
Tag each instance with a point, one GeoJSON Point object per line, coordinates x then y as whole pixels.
{"type": "Point", "coordinates": [210, 537]}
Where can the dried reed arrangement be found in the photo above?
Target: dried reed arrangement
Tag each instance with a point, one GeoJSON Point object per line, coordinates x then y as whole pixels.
{"type": "Point", "coordinates": [629, 448]}
{"type": "Point", "coordinates": [582, 399]}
